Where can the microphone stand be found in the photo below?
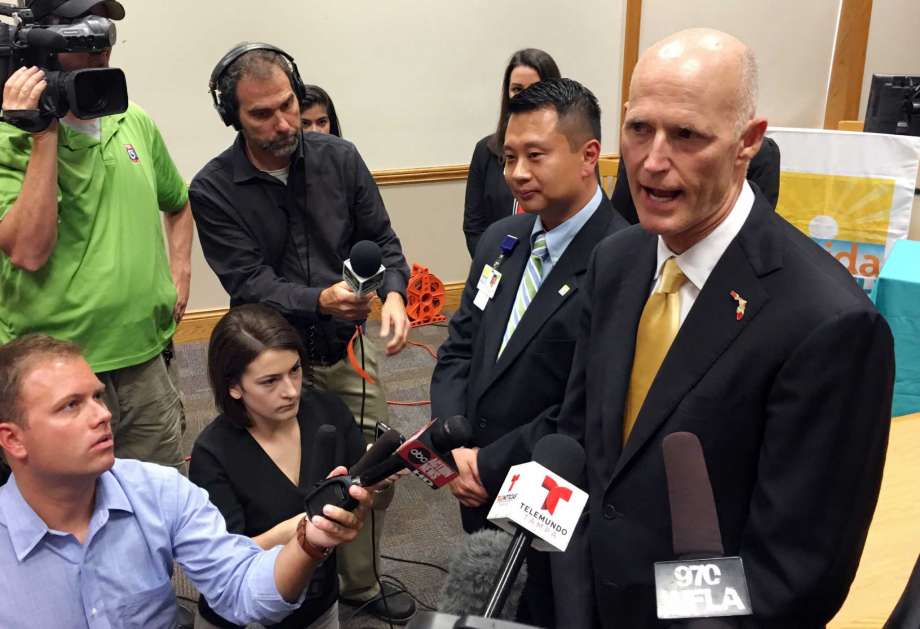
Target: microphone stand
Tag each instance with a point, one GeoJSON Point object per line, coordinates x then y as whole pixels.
{"type": "Point", "coordinates": [508, 573]}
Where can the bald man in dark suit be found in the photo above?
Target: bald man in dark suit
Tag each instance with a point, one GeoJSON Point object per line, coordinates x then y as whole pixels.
{"type": "Point", "coordinates": [717, 317]}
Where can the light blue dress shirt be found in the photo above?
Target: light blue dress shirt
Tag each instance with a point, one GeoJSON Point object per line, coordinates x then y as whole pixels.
{"type": "Point", "coordinates": [145, 517]}
{"type": "Point", "coordinates": [558, 238]}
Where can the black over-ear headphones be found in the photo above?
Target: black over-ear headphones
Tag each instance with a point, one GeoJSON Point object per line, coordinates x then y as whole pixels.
{"type": "Point", "coordinates": [225, 104]}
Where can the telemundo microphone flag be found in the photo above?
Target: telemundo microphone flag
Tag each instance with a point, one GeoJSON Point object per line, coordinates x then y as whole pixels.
{"type": "Point", "coordinates": [852, 193]}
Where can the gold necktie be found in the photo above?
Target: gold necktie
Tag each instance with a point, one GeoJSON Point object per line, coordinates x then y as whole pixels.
{"type": "Point", "coordinates": [657, 328]}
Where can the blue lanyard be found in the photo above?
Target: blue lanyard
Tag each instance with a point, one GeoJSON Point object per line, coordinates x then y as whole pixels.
{"type": "Point", "coordinates": [507, 246]}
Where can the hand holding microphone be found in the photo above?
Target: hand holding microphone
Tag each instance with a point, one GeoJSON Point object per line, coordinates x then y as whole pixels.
{"type": "Point", "coordinates": [362, 274]}
{"type": "Point", "coordinates": [341, 302]}
{"type": "Point", "coordinates": [427, 453]}
{"type": "Point", "coordinates": [318, 533]}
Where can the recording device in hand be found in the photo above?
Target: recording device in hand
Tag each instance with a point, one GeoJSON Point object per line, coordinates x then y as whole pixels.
{"type": "Point", "coordinates": [363, 271]}
{"type": "Point", "coordinates": [427, 452]}
{"type": "Point", "coordinates": [88, 93]}
{"type": "Point", "coordinates": [541, 505]}
{"type": "Point", "coordinates": [702, 585]}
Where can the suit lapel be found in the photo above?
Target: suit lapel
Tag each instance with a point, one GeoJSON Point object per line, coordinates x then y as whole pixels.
{"type": "Point", "coordinates": [495, 316]}
{"type": "Point", "coordinates": [552, 293]}
{"type": "Point", "coordinates": [625, 310]}
{"type": "Point", "coordinates": [710, 328]}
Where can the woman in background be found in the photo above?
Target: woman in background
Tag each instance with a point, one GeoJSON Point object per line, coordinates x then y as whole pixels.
{"type": "Point", "coordinates": [488, 197]}
{"type": "Point", "coordinates": [256, 459]}
{"type": "Point", "coordinates": [318, 113]}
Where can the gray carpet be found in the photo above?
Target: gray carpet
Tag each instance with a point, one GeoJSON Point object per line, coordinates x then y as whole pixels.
{"type": "Point", "coordinates": [422, 524]}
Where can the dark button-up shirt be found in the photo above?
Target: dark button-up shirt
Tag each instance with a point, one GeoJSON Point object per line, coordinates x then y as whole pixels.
{"type": "Point", "coordinates": [283, 244]}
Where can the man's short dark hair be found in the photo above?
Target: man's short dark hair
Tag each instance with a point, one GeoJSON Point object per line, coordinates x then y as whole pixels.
{"type": "Point", "coordinates": [17, 359]}
{"type": "Point", "coordinates": [257, 64]}
{"type": "Point", "coordinates": [237, 340]}
{"type": "Point", "coordinates": [577, 108]}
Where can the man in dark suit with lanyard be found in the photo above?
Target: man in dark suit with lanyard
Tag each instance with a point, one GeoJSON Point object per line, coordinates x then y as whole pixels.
{"type": "Point", "coordinates": [719, 318]}
{"type": "Point", "coordinates": [510, 346]}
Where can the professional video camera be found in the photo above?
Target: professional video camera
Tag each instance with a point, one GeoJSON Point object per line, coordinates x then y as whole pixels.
{"type": "Point", "coordinates": [88, 93]}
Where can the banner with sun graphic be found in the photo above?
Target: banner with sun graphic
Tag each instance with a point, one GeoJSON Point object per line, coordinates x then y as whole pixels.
{"type": "Point", "coordinates": [852, 193]}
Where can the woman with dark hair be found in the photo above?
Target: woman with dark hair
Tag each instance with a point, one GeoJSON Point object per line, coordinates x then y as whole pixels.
{"type": "Point", "coordinates": [317, 111]}
{"type": "Point", "coordinates": [488, 197]}
{"type": "Point", "coordinates": [254, 459]}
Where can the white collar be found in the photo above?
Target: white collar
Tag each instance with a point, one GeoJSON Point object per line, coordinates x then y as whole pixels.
{"type": "Point", "coordinates": [698, 261]}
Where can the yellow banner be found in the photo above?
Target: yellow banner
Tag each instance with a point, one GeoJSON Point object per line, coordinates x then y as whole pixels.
{"type": "Point", "coordinates": [836, 207]}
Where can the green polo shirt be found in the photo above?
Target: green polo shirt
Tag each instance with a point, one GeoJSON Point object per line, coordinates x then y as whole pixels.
{"type": "Point", "coordinates": [107, 284]}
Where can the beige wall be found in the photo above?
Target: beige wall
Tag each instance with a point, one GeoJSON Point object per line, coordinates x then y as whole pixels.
{"type": "Point", "coordinates": [416, 83]}
{"type": "Point", "coordinates": [793, 41]}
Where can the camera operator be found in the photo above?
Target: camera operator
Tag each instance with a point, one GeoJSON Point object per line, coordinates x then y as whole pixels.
{"type": "Point", "coordinates": [83, 249]}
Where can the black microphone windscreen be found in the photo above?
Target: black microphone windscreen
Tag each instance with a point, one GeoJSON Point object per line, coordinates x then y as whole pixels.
{"type": "Point", "coordinates": [694, 520]}
{"type": "Point", "coordinates": [323, 453]}
{"type": "Point", "coordinates": [43, 38]}
{"type": "Point", "coordinates": [380, 451]}
{"type": "Point", "coordinates": [453, 432]}
{"type": "Point", "coordinates": [473, 567]}
{"type": "Point", "coordinates": [365, 258]}
{"type": "Point", "coordinates": [563, 456]}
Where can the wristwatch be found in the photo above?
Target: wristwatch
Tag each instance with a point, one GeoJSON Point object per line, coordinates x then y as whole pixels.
{"type": "Point", "coordinates": [317, 553]}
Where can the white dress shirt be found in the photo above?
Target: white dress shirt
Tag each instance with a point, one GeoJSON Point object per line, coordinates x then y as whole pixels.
{"type": "Point", "coordinates": [698, 261]}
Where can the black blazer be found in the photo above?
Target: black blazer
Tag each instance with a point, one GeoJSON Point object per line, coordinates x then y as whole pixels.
{"type": "Point", "coordinates": [488, 197]}
{"type": "Point", "coordinates": [792, 404]}
{"type": "Point", "coordinates": [501, 399]}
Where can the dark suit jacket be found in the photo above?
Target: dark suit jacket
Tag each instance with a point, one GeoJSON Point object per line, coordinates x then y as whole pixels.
{"type": "Point", "coordinates": [791, 403]}
{"type": "Point", "coordinates": [501, 399]}
{"type": "Point", "coordinates": [488, 197]}
{"type": "Point", "coordinates": [763, 172]}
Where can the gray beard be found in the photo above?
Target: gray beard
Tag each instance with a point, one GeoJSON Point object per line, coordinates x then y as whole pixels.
{"type": "Point", "coordinates": [283, 147]}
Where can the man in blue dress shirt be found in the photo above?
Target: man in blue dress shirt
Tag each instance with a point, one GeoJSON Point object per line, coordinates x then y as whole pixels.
{"type": "Point", "coordinates": [87, 540]}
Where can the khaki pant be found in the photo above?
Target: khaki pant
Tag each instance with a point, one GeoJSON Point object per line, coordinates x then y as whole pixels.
{"type": "Point", "coordinates": [147, 414]}
{"type": "Point", "coordinates": [356, 560]}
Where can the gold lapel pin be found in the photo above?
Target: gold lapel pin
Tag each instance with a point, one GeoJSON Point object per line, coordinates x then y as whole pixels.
{"type": "Point", "coordinates": [742, 302]}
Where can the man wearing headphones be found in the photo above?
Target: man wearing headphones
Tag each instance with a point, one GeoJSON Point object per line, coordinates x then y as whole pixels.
{"type": "Point", "coordinates": [83, 256]}
{"type": "Point", "coordinates": [277, 215]}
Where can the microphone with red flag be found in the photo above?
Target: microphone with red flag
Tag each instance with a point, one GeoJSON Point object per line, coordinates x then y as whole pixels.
{"type": "Point", "coordinates": [427, 453]}
{"type": "Point", "coordinates": [540, 505]}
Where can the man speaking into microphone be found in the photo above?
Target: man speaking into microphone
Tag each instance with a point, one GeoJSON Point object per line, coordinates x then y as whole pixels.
{"type": "Point", "coordinates": [718, 318]}
{"type": "Point", "coordinates": [278, 213]}
{"type": "Point", "coordinates": [509, 350]}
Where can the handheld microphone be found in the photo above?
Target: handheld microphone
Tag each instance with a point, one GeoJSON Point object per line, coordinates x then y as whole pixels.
{"type": "Point", "coordinates": [427, 453]}
{"type": "Point", "coordinates": [702, 585]}
{"type": "Point", "coordinates": [363, 271]}
{"type": "Point", "coordinates": [323, 459]}
{"type": "Point", "coordinates": [380, 451]}
{"type": "Point", "coordinates": [540, 505]}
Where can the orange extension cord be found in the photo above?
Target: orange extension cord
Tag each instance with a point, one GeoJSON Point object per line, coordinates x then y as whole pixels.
{"type": "Point", "coordinates": [430, 350]}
